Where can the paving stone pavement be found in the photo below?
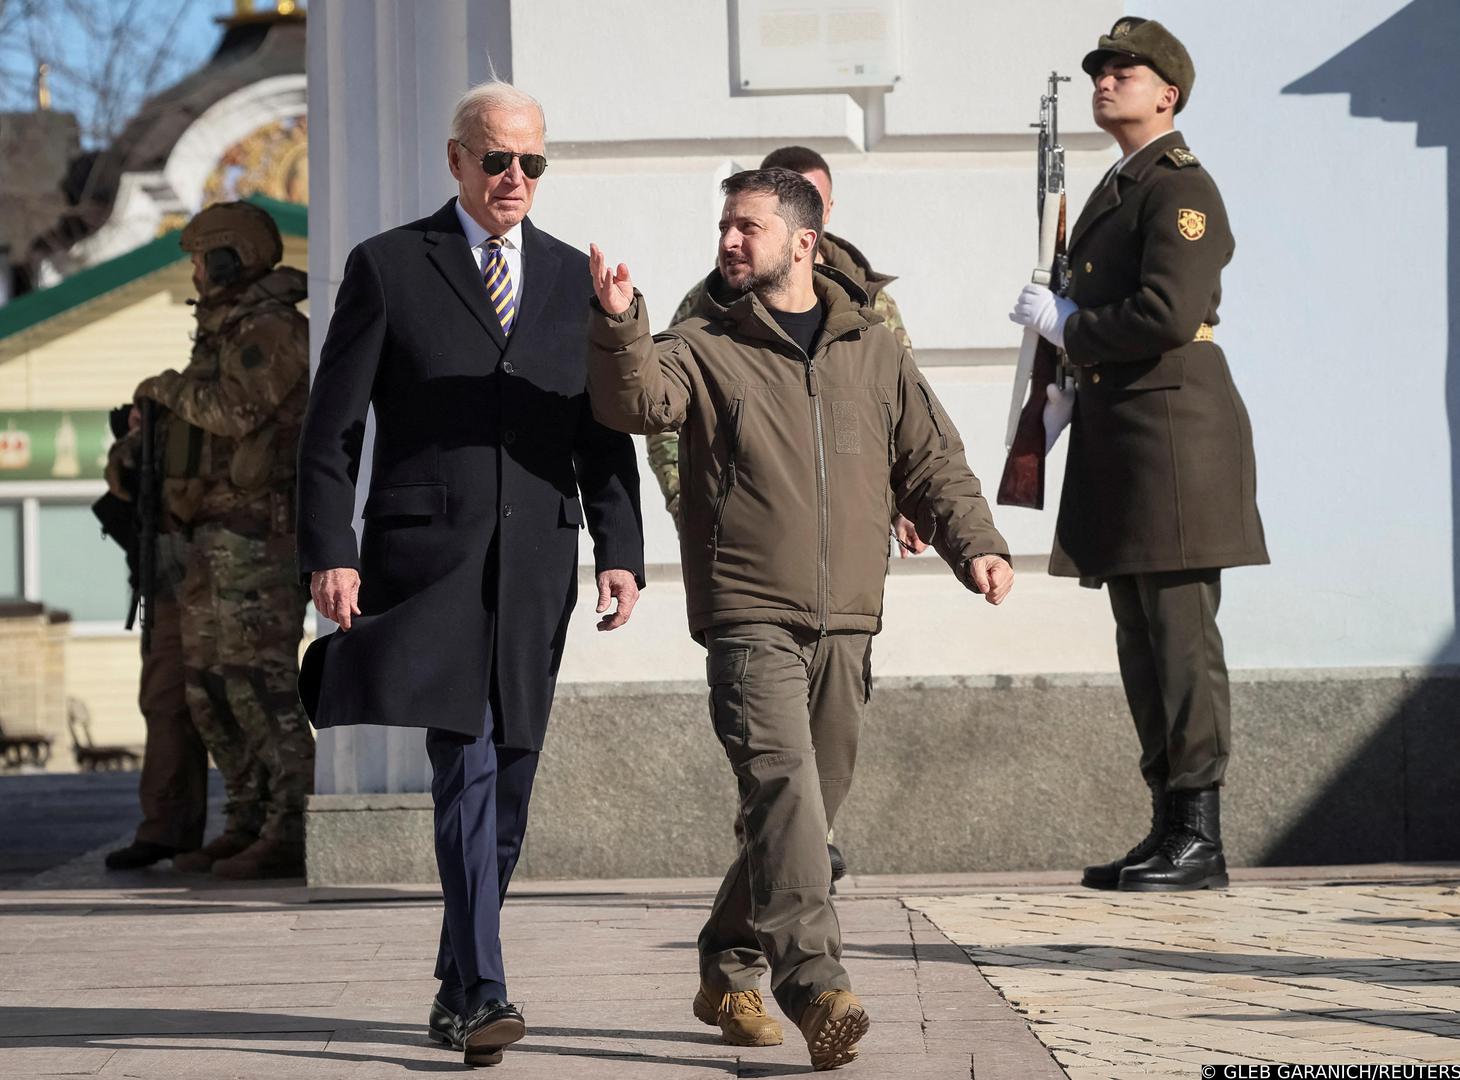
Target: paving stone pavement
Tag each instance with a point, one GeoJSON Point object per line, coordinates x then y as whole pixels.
{"type": "Point", "coordinates": [974, 977]}
{"type": "Point", "coordinates": [1142, 984]}
{"type": "Point", "coordinates": [164, 976]}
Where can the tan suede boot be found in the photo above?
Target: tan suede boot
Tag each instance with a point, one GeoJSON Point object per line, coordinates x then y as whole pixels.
{"type": "Point", "coordinates": [741, 1018]}
{"type": "Point", "coordinates": [221, 847]}
{"type": "Point", "coordinates": [266, 858]}
{"type": "Point", "coordinates": [833, 1025]}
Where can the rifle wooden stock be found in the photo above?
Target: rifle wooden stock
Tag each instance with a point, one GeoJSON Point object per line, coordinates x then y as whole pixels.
{"type": "Point", "coordinates": [1023, 481]}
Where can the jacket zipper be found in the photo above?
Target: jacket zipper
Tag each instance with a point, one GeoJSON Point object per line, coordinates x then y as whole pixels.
{"type": "Point", "coordinates": [937, 424]}
{"type": "Point", "coordinates": [891, 436]}
{"type": "Point", "coordinates": [823, 573]}
{"type": "Point", "coordinates": [727, 481]}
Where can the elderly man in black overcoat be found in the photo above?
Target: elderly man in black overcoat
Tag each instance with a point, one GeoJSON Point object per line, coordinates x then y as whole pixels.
{"type": "Point", "coordinates": [466, 333]}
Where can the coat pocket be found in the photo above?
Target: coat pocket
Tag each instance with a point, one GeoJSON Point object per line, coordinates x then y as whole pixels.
{"type": "Point", "coordinates": [727, 475]}
{"type": "Point", "coordinates": [725, 672]}
{"type": "Point", "coordinates": [406, 500]}
{"type": "Point", "coordinates": [1167, 373]}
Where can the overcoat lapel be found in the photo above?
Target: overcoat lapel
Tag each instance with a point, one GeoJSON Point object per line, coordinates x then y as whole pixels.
{"type": "Point", "coordinates": [452, 257]}
{"type": "Point", "coordinates": [1107, 197]}
{"type": "Point", "coordinates": [542, 262]}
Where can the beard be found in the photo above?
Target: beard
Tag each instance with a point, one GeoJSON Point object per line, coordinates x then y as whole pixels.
{"type": "Point", "coordinates": [770, 278]}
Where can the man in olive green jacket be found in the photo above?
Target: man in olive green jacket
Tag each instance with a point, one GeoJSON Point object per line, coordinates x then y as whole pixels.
{"type": "Point", "coordinates": [663, 446]}
{"type": "Point", "coordinates": [802, 421]}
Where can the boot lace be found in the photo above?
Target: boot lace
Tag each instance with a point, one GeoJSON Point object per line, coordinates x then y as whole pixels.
{"type": "Point", "coordinates": [1174, 843]}
{"type": "Point", "coordinates": [743, 1003]}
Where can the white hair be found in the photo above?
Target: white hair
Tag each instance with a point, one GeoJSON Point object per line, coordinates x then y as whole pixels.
{"type": "Point", "coordinates": [491, 96]}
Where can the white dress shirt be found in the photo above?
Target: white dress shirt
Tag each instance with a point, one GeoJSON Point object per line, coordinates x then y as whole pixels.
{"type": "Point", "coordinates": [477, 237]}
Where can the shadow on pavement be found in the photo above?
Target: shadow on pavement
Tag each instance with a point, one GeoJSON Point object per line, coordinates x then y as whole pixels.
{"type": "Point", "coordinates": [110, 1029]}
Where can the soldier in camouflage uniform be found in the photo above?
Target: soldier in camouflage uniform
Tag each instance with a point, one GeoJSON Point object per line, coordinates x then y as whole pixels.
{"type": "Point", "coordinates": [230, 437]}
{"type": "Point", "coordinates": [664, 447]}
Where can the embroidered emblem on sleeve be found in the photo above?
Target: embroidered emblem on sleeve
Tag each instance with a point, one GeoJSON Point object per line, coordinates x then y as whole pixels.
{"type": "Point", "coordinates": [1192, 224]}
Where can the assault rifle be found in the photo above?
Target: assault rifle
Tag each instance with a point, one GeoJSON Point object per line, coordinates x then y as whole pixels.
{"type": "Point", "coordinates": [147, 512]}
{"type": "Point", "coordinates": [1040, 364]}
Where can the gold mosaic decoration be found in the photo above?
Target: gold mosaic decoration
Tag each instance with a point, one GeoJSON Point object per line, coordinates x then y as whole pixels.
{"type": "Point", "coordinates": [273, 161]}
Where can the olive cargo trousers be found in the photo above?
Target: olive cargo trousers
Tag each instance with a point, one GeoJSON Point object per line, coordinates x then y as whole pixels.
{"type": "Point", "coordinates": [787, 705]}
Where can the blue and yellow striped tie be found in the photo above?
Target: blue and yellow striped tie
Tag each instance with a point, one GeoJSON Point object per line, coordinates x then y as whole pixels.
{"type": "Point", "coordinates": [500, 290]}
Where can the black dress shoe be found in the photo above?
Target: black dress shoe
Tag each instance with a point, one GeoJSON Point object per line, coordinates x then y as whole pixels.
{"type": "Point", "coordinates": [495, 1025]}
{"type": "Point", "coordinates": [444, 1026]}
{"type": "Point", "coordinates": [137, 854]}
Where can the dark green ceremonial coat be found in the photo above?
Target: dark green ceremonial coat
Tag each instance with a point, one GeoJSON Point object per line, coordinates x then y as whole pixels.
{"type": "Point", "coordinates": [1160, 473]}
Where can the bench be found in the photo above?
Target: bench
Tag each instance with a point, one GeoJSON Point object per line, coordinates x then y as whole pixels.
{"type": "Point", "coordinates": [89, 756]}
{"type": "Point", "coordinates": [23, 751]}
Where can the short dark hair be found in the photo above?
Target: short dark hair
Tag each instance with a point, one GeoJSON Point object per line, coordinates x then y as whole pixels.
{"type": "Point", "coordinates": [800, 203]}
{"type": "Point", "coordinates": [799, 159]}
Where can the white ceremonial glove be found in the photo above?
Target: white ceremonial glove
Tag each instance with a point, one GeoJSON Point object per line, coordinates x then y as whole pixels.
{"type": "Point", "coordinates": [1044, 312]}
{"type": "Point", "coordinates": [1057, 412]}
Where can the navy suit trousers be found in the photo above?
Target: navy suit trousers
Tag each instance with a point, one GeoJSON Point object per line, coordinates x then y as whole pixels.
{"type": "Point", "coordinates": [480, 791]}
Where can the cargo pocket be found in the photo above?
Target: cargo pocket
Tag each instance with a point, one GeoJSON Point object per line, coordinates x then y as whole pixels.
{"type": "Point", "coordinates": [725, 672]}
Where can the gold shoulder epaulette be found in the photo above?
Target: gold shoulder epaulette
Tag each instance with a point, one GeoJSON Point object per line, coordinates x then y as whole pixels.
{"type": "Point", "coordinates": [1181, 157]}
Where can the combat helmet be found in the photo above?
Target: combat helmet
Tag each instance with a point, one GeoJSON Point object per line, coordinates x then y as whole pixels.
{"type": "Point", "coordinates": [239, 242]}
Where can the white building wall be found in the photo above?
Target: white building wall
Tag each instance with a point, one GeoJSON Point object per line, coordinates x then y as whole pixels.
{"type": "Point", "coordinates": [1334, 317]}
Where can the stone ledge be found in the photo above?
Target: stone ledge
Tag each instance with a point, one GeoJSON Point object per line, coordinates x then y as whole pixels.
{"type": "Point", "coordinates": [963, 774]}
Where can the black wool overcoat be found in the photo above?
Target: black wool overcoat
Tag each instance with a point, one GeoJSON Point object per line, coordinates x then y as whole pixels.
{"type": "Point", "coordinates": [483, 443]}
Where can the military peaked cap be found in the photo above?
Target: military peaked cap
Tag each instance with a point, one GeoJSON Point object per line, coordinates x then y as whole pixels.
{"type": "Point", "coordinates": [1152, 44]}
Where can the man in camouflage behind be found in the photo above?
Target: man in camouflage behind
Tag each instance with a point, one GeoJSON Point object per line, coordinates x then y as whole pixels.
{"type": "Point", "coordinates": [229, 436]}
{"type": "Point", "coordinates": [663, 448]}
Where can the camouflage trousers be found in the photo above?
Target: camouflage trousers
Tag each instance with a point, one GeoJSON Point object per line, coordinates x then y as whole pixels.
{"type": "Point", "coordinates": [242, 611]}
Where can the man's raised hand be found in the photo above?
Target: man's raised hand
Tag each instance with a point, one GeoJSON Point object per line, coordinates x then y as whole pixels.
{"type": "Point", "coordinates": [612, 285]}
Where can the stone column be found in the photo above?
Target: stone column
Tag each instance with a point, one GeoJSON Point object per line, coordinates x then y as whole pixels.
{"type": "Point", "coordinates": [383, 77]}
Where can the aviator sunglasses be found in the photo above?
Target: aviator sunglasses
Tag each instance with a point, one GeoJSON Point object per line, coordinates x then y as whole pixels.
{"type": "Point", "coordinates": [496, 162]}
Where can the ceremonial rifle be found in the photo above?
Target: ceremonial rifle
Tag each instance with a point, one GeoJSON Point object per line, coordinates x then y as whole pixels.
{"type": "Point", "coordinates": [1039, 362]}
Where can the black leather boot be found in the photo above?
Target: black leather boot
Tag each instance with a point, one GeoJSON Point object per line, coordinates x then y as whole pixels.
{"type": "Point", "coordinates": [1190, 857]}
{"type": "Point", "coordinates": [137, 854]}
{"type": "Point", "coordinates": [1107, 875]}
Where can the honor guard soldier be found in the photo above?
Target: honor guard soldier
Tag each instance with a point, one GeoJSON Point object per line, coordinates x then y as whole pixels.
{"type": "Point", "coordinates": [1160, 486]}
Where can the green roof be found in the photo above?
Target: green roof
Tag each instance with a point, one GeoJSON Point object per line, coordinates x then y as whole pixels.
{"type": "Point", "coordinates": [36, 307]}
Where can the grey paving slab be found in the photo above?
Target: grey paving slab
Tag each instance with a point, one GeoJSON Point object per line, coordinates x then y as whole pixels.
{"type": "Point", "coordinates": [209, 983]}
